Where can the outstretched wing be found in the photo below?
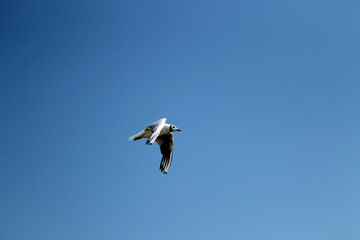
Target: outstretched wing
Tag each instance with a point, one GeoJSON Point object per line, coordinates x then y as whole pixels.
{"type": "Point", "coordinates": [155, 129]}
{"type": "Point", "coordinates": [166, 144]}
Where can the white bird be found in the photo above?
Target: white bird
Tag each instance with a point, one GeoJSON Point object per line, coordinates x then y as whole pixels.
{"type": "Point", "coordinates": [160, 132]}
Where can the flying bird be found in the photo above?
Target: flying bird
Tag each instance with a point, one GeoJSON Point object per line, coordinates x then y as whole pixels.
{"type": "Point", "coordinates": [161, 133]}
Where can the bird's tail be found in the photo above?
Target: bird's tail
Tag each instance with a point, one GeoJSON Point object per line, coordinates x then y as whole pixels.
{"type": "Point", "coordinates": [136, 136]}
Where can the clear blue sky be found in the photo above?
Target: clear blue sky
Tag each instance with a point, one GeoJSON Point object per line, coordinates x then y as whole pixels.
{"type": "Point", "coordinates": [267, 94]}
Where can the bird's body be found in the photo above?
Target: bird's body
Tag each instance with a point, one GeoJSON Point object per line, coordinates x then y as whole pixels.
{"type": "Point", "coordinates": [146, 133]}
{"type": "Point", "coordinates": [160, 132]}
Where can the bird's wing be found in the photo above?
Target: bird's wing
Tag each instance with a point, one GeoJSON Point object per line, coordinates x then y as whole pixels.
{"type": "Point", "coordinates": [155, 129]}
{"type": "Point", "coordinates": [166, 144]}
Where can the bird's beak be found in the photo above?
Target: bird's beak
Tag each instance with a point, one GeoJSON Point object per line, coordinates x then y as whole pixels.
{"type": "Point", "coordinates": [178, 130]}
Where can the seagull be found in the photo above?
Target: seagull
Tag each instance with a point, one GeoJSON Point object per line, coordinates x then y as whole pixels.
{"type": "Point", "coordinates": [160, 132]}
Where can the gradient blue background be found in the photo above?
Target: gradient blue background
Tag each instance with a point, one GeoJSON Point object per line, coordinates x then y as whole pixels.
{"type": "Point", "coordinates": [267, 94]}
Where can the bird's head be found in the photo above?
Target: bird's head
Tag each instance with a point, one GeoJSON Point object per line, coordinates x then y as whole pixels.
{"type": "Point", "coordinates": [173, 128]}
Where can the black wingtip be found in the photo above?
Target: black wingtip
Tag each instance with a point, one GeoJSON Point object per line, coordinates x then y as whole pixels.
{"type": "Point", "coordinates": [162, 169]}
